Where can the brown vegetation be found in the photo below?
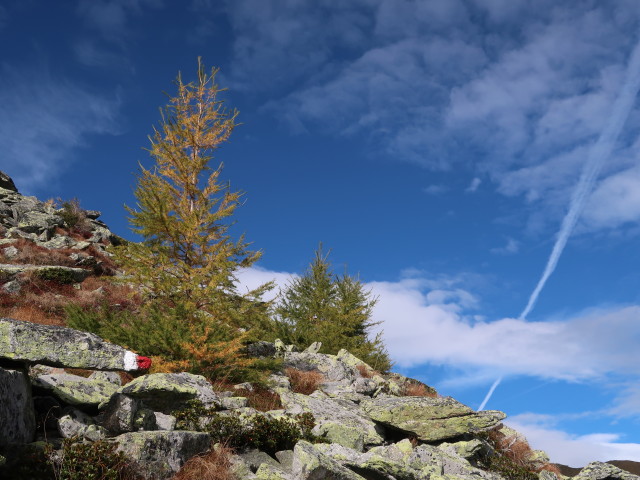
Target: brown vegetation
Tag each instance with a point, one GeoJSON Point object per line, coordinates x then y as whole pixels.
{"type": "Point", "coordinates": [366, 372]}
{"type": "Point", "coordinates": [305, 382]}
{"type": "Point", "coordinates": [518, 451]}
{"type": "Point", "coordinates": [213, 465]}
{"type": "Point", "coordinates": [261, 398]}
{"type": "Point", "coordinates": [415, 389]}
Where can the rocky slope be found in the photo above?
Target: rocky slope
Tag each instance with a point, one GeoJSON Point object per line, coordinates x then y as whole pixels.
{"type": "Point", "coordinates": [320, 416]}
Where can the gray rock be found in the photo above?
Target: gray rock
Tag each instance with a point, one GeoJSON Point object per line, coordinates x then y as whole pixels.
{"type": "Point", "coordinates": [164, 391]}
{"type": "Point", "coordinates": [313, 348]}
{"type": "Point", "coordinates": [7, 183]}
{"type": "Point", "coordinates": [261, 349]}
{"type": "Point", "coordinates": [17, 416]}
{"type": "Point", "coordinates": [119, 414]}
{"type": "Point", "coordinates": [254, 458]}
{"type": "Point", "coordinates": [10, 252]}
{"type": "Point", "coordinates": [161, 454]}
{"type": "Point", "coordinates": [430, 419]}
{"type": "Point", "coordinates": [38, 222]}
{"type": "Point", "coordinates": [343, 417]}
{"type": "Point", "coordinates": [329, 365]}
{"type": "Point", "coordinates": [233, 403]}
{"type": "Point", "coordinates": [285, 457]}
{"type": "Point", "coordinates": [473, 450]}
{"type": "Point", "coordinates": [74, 423]}
{"type": "Point", "coordinates": [164, 421]}
{"type": "Point", "coordinates": [12, 287]}
{"type": "Point", "coordinates": [604, 471]}
{"type": "Point", "coordinates": [76, 390]}
{"type": "Point", "coordinates": [61, 346]}
{"type": "Point", "coordinates": [311, 464]}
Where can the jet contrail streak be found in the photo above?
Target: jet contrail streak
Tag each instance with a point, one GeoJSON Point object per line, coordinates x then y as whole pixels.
{"type": "Point", "coordinates": [489, 393]}
{"type": "Point", "coordinates": [597, 156]}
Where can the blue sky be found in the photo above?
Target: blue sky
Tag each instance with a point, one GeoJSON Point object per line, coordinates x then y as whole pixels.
{"type": "Point", "coordinates": [434, 146]}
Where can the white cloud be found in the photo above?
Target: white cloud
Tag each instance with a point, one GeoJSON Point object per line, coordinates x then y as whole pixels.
{"type": "Point", "coordinates": [512, 246]}
{"type": "Point", "coordinates": [573, 450]}
{"type": "Point", "coordinates": [615, 201]}
{"type": "Point", "coordinates": [425, 320]}
{"type": "Point", "coordinates": [473, 186]}
{"type": "Point", "coordinates": [44, 120]}
{"type": "Point", "coordinates": [253, 277]}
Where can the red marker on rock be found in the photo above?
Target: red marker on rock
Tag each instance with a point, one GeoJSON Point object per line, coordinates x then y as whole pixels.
{"type": "Point", "coordinates": [64, 347]}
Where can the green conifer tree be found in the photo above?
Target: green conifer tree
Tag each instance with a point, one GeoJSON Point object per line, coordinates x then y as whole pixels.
{"type": "Point", "coordinates": [335, 310]}
{"type": "Point", "coordinates": [193, 315]}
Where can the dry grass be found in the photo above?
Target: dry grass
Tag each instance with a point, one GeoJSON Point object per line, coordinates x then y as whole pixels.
{"type": "Point", "coordinates": [366, 372]}
{"type": "Point", "coordinates": [519, 452]}
{"type": "Point", "coordinates": [413, 389]}
{"type": "Point", "coordinates": [305, 382]}
{"type": "Point", "coordinates": [213, 465]}
{"type": "Point", "coordinates": [261, 398]}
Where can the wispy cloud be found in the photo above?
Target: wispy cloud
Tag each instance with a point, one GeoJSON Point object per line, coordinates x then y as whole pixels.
{"type": "Point", "coordinates": [512, 247]}
{"type": "Point", "coordinates": [425, 84]}
{"type": "Point", "coordinates": [44, 121]}
{"type": "Point", "coordinates": [473, 186]}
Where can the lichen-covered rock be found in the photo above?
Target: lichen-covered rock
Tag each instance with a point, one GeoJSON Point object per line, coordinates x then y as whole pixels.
{"type": "Point", "coordinates": [76, 390]}
{"type": "Point", "coordinates": [161, 454]}
{"type": "Point", "coordinates": [604, 471]}
{"type": "Point", "coordinates": [64, 347]}
{"type": "Point", "coordinates": [336, 412]}
{"type": "Point", "coordinates": [473, 450]}
{"type": "Point", "coordinates": [73, 422]}
{"type": "Point", "coordinates": [17, 416]}
{"type": "Point", "coordinates": [310, 464]}
{"type": "Point", "coordinates": [56, 273]}
{"type": "Point", "coordinates": [429, 419]}
{"type": "Point", "coordinates": [233, 403]}
{"type": "Point", "coordinates": [329, 365]}
{"type": "Point", "coordinates": [336, 432]}
{"type": "Point", "coordinates": [270, 472]}
{"type": "Point", "coordinates": [164, 391]}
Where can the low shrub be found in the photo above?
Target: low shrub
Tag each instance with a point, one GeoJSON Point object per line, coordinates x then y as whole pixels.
{"type": "Point", "coordinates": [513, 457]}
{"type": "Point", "coordinates": [262, 432]}
{"type": "Point", "coordinates": [83, 461]}
{"type": "Point", "coordinates": [304, 382]}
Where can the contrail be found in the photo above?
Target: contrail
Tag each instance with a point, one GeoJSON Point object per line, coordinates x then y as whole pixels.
{"type": "Point", "coordinates": [597, 156]}
{"type": "Point", "coordinates": [489, 393]}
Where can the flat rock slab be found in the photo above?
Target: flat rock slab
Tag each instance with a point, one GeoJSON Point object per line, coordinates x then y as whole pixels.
{"type": "Point", "coordinates": [430, 419]}
{"type": "Point", "coordinates": [77, 390]}
{"type": "Point", "coordinates": [17, 417]}
{"type": "Point", "coordinates": [63, 347]}
{"type": "Point", "coordinates": [341, 420]}
{"type": "Point", "coordinates": [162, 453]}
{"type": "Point", "coordinates": [165, 392]}
{"type": "Point", "coordinates": [57, 273]}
